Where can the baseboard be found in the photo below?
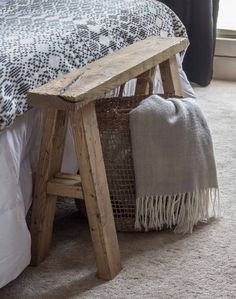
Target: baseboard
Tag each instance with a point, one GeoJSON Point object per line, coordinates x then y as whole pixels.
{"type": "Point", "coordinates": [225, 59]}
{"type": "Point", "coordinates": [225, 68]}
{"type": "Point", "coordinates": [225, 47]}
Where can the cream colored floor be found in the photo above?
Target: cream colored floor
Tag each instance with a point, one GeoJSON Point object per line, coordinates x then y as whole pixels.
{"type": "Point", "coordinates": [155, 265]}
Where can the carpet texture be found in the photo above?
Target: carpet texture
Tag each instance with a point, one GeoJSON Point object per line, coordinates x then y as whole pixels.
{"type": "Point", "coordinates": [159, 264]}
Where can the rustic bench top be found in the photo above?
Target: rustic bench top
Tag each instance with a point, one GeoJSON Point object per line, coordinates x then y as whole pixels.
{"type": "Point", "coordinates": [95, 79]}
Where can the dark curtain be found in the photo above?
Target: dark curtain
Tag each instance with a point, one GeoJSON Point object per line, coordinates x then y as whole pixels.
{"type": "Point", "coordinates": [199, 17]}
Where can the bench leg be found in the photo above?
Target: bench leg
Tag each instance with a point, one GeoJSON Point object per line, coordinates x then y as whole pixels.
{"type": "Point", "coordinates": [50, 159]}
{"type": "Point", "coordinates": [95, 189]}
{"type": "Point", "coordinates": [170, 77]}
{"type": "Point", "coordinates": [142, 86]}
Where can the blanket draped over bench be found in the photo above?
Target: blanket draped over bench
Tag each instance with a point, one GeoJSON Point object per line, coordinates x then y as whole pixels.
{"type": "Point", "coordinates": [175, 172]}
{"type": "Point", "coordinates": [41, 40]}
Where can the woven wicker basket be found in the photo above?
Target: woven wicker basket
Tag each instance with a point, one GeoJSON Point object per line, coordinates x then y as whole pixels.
{"type": "Point", "coordinates": [113, 123]}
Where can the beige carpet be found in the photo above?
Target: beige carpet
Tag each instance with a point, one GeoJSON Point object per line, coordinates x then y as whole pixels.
{"type": "Point", "coordinates": [155, 265]}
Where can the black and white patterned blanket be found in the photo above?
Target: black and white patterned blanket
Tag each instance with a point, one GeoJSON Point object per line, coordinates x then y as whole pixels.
{"type": "Point", "coordinates": [41, 39]}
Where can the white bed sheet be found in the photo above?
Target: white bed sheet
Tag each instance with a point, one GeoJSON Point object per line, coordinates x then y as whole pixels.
{"type": "Point", "coordinates": [19, 147]}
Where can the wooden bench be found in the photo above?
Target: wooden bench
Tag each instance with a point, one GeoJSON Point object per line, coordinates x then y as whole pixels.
{"type": "Point", "coordinates": [73, 97]}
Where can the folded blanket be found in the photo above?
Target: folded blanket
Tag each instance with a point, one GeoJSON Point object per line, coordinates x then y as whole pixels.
{"type": "Point", "coordinates": [175, 172]}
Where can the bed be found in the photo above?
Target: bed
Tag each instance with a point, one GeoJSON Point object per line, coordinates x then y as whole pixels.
{"type": "Point", "coordinates": [40, 40]}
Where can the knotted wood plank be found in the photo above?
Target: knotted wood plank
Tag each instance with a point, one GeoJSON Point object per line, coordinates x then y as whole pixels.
{"type": "Point", "coordinates": [95, 79]}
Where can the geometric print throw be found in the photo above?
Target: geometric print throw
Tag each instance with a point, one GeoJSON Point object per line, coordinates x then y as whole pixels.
{"type": "Point", "coordinates": [42, 39]}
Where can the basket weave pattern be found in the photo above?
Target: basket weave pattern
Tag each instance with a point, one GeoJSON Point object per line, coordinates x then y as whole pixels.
{"type": "Point", "coordinates": [113, 122]}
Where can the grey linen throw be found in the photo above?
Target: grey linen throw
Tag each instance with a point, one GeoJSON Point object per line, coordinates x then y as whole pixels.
{"type": "Point", "coordinates": [175, 172]}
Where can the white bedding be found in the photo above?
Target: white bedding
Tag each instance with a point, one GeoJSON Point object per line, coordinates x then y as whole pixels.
{"type": "Point", "coordinates": [15, 186]}
{"type": "Point", "coordinates": [18, 158]}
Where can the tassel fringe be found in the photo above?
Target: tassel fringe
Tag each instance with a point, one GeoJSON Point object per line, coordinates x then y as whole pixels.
{"type": "Point", "coordinates": [179, 211]}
